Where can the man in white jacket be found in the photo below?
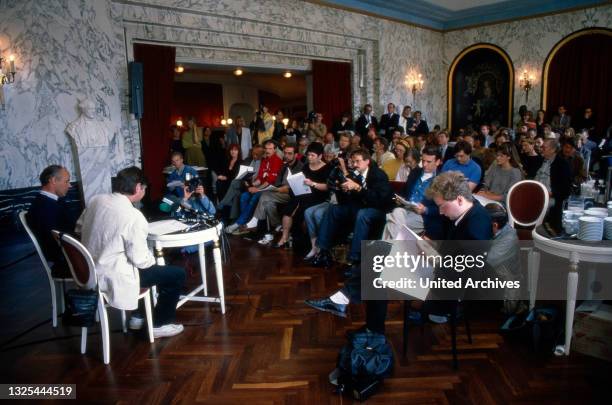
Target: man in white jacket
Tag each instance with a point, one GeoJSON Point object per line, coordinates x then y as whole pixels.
{"type": "Point", "coordinates": [115, 233]}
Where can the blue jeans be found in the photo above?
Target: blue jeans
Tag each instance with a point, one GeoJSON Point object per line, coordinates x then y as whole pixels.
{"type": "Point", "coordinates": [313, 216]}
{"type": "Point", "coordinates": [248, 202]}
{"type": "Point", "coordinates": [367, 222]}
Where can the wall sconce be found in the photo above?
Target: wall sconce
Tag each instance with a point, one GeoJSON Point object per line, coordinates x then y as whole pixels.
{"type": "Point", "coordinates": [287, 75]}
{"type": "Point", "coordinates": [285, 122]}
{"type": "Point", "coordinates": [415, 84]}
{"type": "Point", "coordinates": [8, 77]}
{"type": "Point", "coordinates": [223, 121]}
{"type": "Point", "coordinates": [179, 69]}
{"type": "Point", "coordinates": [230, 121]}
{"type": "Point", "coordinates": [179, 123]}
{"type": "Point", "coordinates": [226, 122]}
{"type": "Point", "coordinates": [526, 82]}
{"type": "Point", "coordinates": [238, 72]}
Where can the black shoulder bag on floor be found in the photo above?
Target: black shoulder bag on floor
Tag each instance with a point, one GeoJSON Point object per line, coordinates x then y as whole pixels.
{"type": "Point", "coordinates": [363, 363]}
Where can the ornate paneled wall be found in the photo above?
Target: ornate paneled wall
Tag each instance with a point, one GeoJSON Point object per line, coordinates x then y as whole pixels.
{"type": "Point", "coordinates": [527, 42]}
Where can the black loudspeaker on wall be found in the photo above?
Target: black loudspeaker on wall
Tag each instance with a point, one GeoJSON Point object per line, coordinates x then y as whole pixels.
{"type": "Point", "coordinates": [136, 94]}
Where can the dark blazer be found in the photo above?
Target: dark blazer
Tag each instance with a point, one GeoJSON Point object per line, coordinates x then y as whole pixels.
{"type": "Point", "coordinates": [475, 225]}
{"type": "Point", "coordinates": [348, 126]}
{"type": "Point", "coordinates": [421, 128]}
{"type": "Point", "coordinates": [360, 125]}
{"type": "Point", "coordinates": [560, 179]}
{"type": "Point", "coordinates": [448, 154]}
{"type": "Point", "coordinates": [45, 215]}
{"type": "Point", "coordinates": [434, 225]}
{"type": "Point", "coordinates": [377, 193]}
{"type": "Point", "coordinates": [389, 123]}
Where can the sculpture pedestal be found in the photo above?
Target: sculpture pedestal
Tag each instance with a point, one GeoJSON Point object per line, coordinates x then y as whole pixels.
{"type": "Point", "coordinates": [94, 171]}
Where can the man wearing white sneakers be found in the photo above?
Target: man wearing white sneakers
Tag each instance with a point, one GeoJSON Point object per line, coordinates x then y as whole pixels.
{"type": "Point", "coordinates": [115, 233]}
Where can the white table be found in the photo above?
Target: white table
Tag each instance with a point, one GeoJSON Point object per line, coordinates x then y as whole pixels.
{"type": "Point", "coordinates": [575, 252]}
{"type": "Point", "coordinates": [197, 237]}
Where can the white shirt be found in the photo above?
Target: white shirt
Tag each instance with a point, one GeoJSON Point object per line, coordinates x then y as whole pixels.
{"type": "Point", "coordinates": [48, 194]}
{"type": "Point", "coordinates": [115, 233]}
{"type": "Point", "coordinates": [245, 142]}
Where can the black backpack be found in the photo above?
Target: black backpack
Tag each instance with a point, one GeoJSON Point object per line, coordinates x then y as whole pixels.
{"type": "Point", "coordinates": [363, 363]}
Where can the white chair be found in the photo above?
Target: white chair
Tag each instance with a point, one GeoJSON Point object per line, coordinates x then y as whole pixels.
{"type": "Point", "coordinates": [84, 272]}
{"type": "Point", "coordinates": [527, 203]}
{"type": "Point", "coordinates": [55, 283]}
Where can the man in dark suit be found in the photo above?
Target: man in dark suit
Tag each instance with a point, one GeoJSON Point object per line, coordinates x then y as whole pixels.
{"type": "Point", "coordinates": [561, 121]}
{"type": "Point", "coordinates": [363, 202]}
{"type": "Point", "coordinates": [343, 125]}
{"type": "Point", "coordinates": [48, 212]}
{"type": "Point", "coordinates": [389, 121]}
{"type": "Point", "coordinates": [365, 121]}
{"type": "Point", "coordinates": [446, 151]}
{"type": "Point", "coordinates": [416, 125]}
{"type": "Point", "coordinates": [367, 199]}
{"type": "Point", "coordinates": [556, 174]}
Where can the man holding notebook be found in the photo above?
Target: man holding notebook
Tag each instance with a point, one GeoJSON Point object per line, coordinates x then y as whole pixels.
{"type": "Point", "coordinates": [416, 211]}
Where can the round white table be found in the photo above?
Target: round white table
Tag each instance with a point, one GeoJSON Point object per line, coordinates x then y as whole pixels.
{"type": "Point", "coordinates": [189, 238]}
{"type": "Point", "coordinates": [575, 251]}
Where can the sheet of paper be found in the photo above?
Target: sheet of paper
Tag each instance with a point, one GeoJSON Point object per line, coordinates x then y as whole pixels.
{"type": "Point", "coordinates": [484, 200]}
{"type": "Point", "coordinates": [296, 182]}
{"type": "Point", "coordinates": [243, 171]}
{"type": "Point", "coordinates": [175, 183]}
{"type": "Point", "coordinates": [166, 226]}
{"type": "Point", "coordinates": [269, 187]}
{"type": "Point", "coordinates": [404, 202]}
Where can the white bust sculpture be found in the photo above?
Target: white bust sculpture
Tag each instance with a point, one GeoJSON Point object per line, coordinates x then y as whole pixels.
{"type": "Point", "coordinates": [87, 131]}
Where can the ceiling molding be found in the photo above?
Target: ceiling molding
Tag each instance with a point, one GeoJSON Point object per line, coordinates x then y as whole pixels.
{"type": "Point", "coordinates": [427, 15]}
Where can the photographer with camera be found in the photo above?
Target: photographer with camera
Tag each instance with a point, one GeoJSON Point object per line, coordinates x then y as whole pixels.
{"type": "Point", "coordinates": [196, 199]}
{"type": "Point", "coordinates": [364, 197]}
{"type": "Point", "coordinates": [180, 176]}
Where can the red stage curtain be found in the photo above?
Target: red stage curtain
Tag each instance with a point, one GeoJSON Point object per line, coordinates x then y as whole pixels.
{"type": "Point", "coordinates": [331, 82]}
{"type": "Point", "coordinates": [270, 100]}
{"type": "Point", "coordinates": [158, 85]}
{"type": "Point", "coordinates": [579, 76]}
{"type": "Point", "coordinates": [204, 101]}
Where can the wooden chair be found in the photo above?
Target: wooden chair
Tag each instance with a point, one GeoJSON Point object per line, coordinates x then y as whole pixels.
{"type": "Point", "coordinates": [83, 270]}
{"type": "Point", "coordinates": [55, 283]}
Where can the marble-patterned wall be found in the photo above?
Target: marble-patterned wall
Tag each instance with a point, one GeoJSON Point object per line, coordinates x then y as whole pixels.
{"type": "Point", "coordinates": [65, 50]}
{"type": "Point", "coordinates": [291, 32]}
{"type": "Point", "coordinates": [527, 42]}
{"type": "Point", "coordinates": [70, 49]}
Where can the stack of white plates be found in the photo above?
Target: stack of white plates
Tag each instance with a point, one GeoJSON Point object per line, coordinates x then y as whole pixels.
{"type": "Point", "coordinates": [590, 228]}
{"type": "Point", "coordinates": [596, 212]}
{"type": "Point", "coordinates": [608, 228]}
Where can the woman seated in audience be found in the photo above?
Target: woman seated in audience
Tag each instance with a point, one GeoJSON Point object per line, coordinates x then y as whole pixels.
{"type": "Point", "coordinates": [355, 142]}
{"type": "Point", "coordinates": [530, 158]}
{"type": "Point", "coordinates": [381, 153]}
{"type": "Point", "coordinates": [397, 169]}
{"type": "Point", "coordinates": [569, 133]}
{"type": "Point", "coordinates": [316, 173]}
{"type": "Point", "coordinates": [228, 170]}
{"type": "Point", "coordinates": [502, 175]}
{"type": "Point", "coordinates": [502, 137]}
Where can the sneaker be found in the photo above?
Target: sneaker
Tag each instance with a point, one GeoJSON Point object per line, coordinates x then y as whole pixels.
{"type": "Point", "coordinates": [231, 228]}
{"type": "Point", "coordinates": [278, 229]}
{"type": "Point", "coordinates": [266, 240]}
{"type": "Point", "coordinates": [136, 322]}
{"type": "Point", "coordinates": [168, 330]}
{"type": "Point", "coordinates": [252, 223]}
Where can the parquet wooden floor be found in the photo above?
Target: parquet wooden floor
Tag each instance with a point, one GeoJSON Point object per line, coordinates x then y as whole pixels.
{"type": "Point", "coordinates": [269, 348]}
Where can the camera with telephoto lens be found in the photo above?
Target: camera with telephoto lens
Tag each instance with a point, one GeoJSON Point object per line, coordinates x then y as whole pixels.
{"type": "Point", "coordinates": [194, 183]}
{"type": "Point", "coordinates": [312, 117]}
